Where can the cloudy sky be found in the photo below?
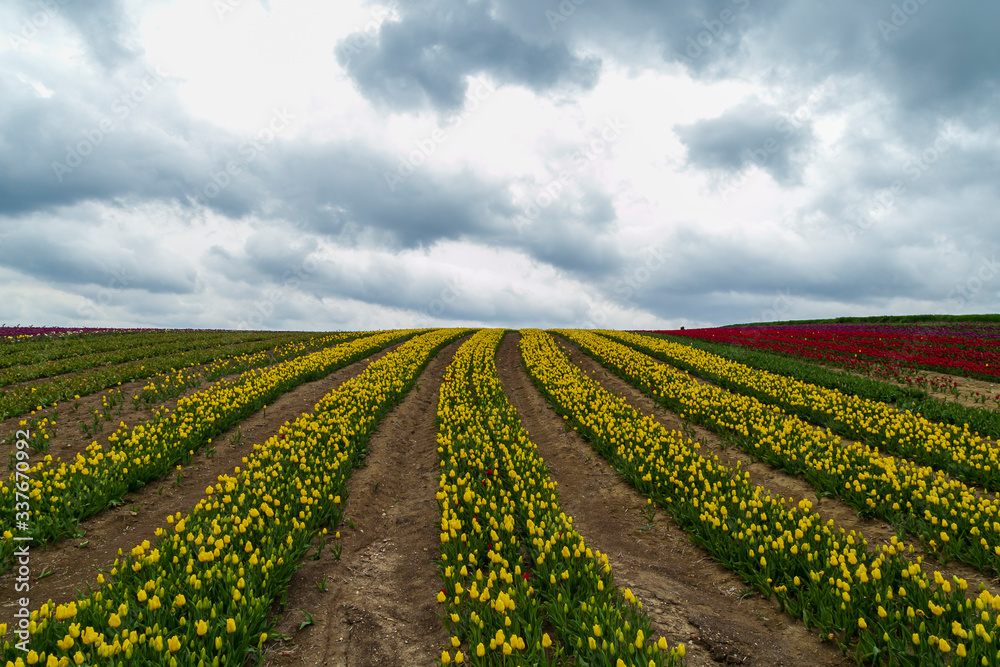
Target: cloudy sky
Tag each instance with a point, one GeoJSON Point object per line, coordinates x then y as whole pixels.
{"type": "Point", "coordinates": [298, 164]}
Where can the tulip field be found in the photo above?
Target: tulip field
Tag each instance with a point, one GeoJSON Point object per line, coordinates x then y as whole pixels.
{"type": "Point", "coordinates": [494, 497]}
{"type": "Point", "coordinates": [970, 348]}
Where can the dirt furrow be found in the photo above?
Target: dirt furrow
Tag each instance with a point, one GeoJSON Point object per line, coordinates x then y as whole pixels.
{"type": "Point", "coordinates": [875, 531]}
{"type": "Point", "coordinates": [74, 562]}
{"type": "Point", "coordinates": [39, 381]}
{"type": "Point", "coordinates": [68, 437]}
{"type": "Point", "coordinates": [379, 606]}
{"type": "Point", "coordinates": [963, 399]}
{"type": "Point", "coordinates": [690, 598]}
{"type": "Point", "coordinates": [966, 386]}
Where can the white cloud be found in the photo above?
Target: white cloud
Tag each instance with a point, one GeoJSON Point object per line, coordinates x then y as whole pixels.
{"type": "Point", "coordinates": [532, 207]}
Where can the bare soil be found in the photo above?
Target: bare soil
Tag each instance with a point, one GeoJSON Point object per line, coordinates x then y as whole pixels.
{"type": "Point", "coordinates": [67, 437]}
{"type": "Point", "coordinates": [690, 598]}
{"type": "Point", "coordinates": [966, 386]}
{"type": "Point", "coordinates": [380, 605]}
{"type": "Point", "coordinates": [376, 603]}
{"type": "Point", "coordinates": [875, 531]}
{"type": "Point", "coordinates": [98, 367]}
{"type": "Point", "coordinates": [74, 562]}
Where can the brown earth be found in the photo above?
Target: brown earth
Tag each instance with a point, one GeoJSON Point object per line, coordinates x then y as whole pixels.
{"type": "Point", "coordinates": [95, 367]}
{"type": "Point", "coordinates": [963, 399]}
{"type": "Point", "coordinates": [67, 436]}
{"type": "Point", "coordinates": [690, 598]}
{"type": "Point", "coordinates": [74, 562]}
{"type": "Point", "coordinates": [379, 606]}
{"type": "Point", "coordinates": [875, 531]}
{"type": "Point", "coordinates": [966, 387]}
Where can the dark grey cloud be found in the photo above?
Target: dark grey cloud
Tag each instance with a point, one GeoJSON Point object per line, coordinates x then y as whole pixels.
{"type": "Point", "coordinates": [705, 36]}
{"type": "Point", "coordinates": [575, 234]}
{"type": "Point", "coordinates": [271, 266]}
{"type": "Point", "coordinates": [92, 140]}
{"type": "Point", "coordinates": [939, 58]}
{"type": "Point", "coordinates": [423, 59]}
{"type": "Point", "coordinates": [927, 53]}
{"type": "Point", "coordinates": [70, 255]}
{"type": "Point", "coordinates": [904, 75]}
{"type": "Point", "coordinates": [718, 279]}
{"type": "Point", "coordinates": [926, 60]}
{"type": "Point", "coordinates": [751, 134]}
{"type": "Point", "coordinates": [339, 192]}
{"type": "Point", "coordinates": [126, 140]}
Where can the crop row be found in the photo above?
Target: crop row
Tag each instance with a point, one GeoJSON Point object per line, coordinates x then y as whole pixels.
{"type": "Point", "coordinates": [150, 349]}
{"type": "Point", "coordinates": [858, 346]}
{"type": "Point", "coordinates": [877, 603]}
{"type": "Point", "coordinates": [953, 519]}
{"type": "Point", "coordinates": [957, 451]}
{"type": "Point", "coordinates": [19, 401]}
{"type": "Point", "coordinates": [60, 494]}
{"type": "Point", "coordinates": [290, 350]}
{"type": "Point", "coordinates": [171, 385]}
{"type": "Point", "coordinates": [59, 345]}
{"type": "Point", "coordinates": [201, 595]}
{"type": "Point", "coordinates": [985, 421]}
{"type": "Point", "coordinates": [18, 335]}
{"type": "Point", "coordinates": [511, 559]}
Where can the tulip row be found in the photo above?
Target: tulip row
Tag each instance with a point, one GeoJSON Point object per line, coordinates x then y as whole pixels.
{"type": "Point", "coordinates": [879, 605]}
{"type": "Point", "coordinates": [914, 395]}
{"type": "Point", "coordinates": [511, 559]}
{"type": "Point", "coordinates": [963, 349]}
{"type": "Point", "coordinates": [42, 349]}
{"type": "Point", "coordinates": [955, 450]}
{"type": "Point", "coordinates": [14, 402]}
{"type": "Point", "coordinates": [166, 386]}
{"type": "Point", "coordinates": [10, 336]}
{"type": "Point", "coordinates": [171, 385]}
{"type": "Point", "coordinates": [291, 350]}
{"type": "Point", "coordinates": [203, 593]}
{"type": "Point", "coordinates": [155, 345]}
{"type": "Point", "coordinates": [63, 493]}
{"type": "Point", "coordinates": [953, 519]}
